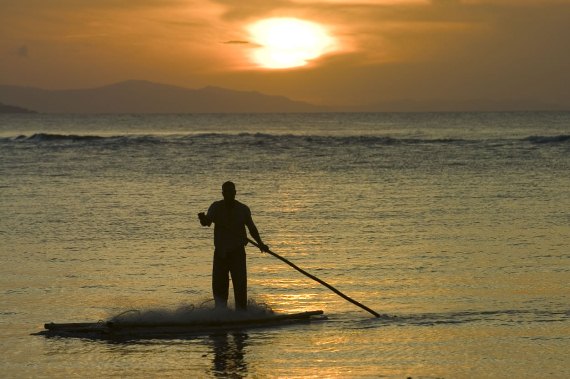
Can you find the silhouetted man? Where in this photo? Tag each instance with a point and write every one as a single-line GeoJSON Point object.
{"type": "Point", "coordinates": [230, 217]}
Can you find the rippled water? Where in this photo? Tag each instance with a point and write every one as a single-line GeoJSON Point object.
{"type": "Point", "coordinates": [453, 226]}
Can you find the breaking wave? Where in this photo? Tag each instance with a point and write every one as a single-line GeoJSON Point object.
{"type": "Point", "coordinates": [268, 139]}
{"type": "Point", "coordinates": [548, 139]}
{"type": "Point", "coordinates": [48, 137]}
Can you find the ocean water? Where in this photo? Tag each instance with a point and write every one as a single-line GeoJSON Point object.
{"type": "Point", "coordinates": [455, 227]}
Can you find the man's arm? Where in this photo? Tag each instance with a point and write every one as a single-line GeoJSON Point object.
{"type": "Point", "coordinates": [255, 234]}
{"type": "Point", "coordinates": [208, 218]}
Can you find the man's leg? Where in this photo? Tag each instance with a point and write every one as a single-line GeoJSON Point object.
{"type": "Point", "coordinates": [220, 281]}
{"type": "Point", "coordinates": [238, 270]}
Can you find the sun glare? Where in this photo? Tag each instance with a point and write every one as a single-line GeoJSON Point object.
{"type": "Point", "coordinates": [288, 42]}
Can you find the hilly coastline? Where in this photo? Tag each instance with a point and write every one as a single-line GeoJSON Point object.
{"type": "Point", "coordinates": [138, 96]}
{"type": "Point", "coordinates": [4, 108]}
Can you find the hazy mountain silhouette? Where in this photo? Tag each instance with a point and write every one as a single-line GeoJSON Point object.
{"type": "Point", "coordinates": [13, 109]}
{"type": "Point", "coordinates": [138, 96]}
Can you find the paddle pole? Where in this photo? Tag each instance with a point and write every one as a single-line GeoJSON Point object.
{"type": "Point", "coordinates": [318, 280]}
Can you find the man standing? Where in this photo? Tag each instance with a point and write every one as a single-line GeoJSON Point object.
{"type": "Point", "coordinates": [230, 217]}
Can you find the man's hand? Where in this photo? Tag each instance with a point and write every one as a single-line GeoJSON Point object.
{"type": "Point", "coordinates": [263, 248]}
{"type": "Point", "coordinates": [204, 220]}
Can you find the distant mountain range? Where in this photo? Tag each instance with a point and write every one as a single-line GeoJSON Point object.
{"type": "Point", "coordinates": [138, 96]}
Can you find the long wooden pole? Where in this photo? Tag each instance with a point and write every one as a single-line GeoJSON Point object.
{"type": "Point", "coordinates": [318, 280]}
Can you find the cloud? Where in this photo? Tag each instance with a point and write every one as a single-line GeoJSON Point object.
{"type": "Point", "coordinates": [363, 2]}
{"type": "Point", "coordinates": [515, 3]}
{"type": "Point", "coordinates": [22, 51]}
{"type": "Point", "coordinates": [67, 5]}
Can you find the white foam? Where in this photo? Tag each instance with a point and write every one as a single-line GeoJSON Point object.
{"type": "Point", "coordinates": [190, 313]}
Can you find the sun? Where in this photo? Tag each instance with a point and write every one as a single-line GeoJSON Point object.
{"type": "Point", "coordinates": [288, 42]}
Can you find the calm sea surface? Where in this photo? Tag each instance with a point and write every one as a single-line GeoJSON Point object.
{"type": "Point", "coordinates": [455, 226]}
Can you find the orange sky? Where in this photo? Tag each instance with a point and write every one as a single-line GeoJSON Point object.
{"type": "Point", "coordinates": [387, 50]}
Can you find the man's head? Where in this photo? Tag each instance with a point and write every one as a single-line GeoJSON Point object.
{"type": "Point", "coordinates": [229, 191]}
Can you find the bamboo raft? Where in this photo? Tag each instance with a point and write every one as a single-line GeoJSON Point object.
{"type": "Point", "coordinates": [124, 329]}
